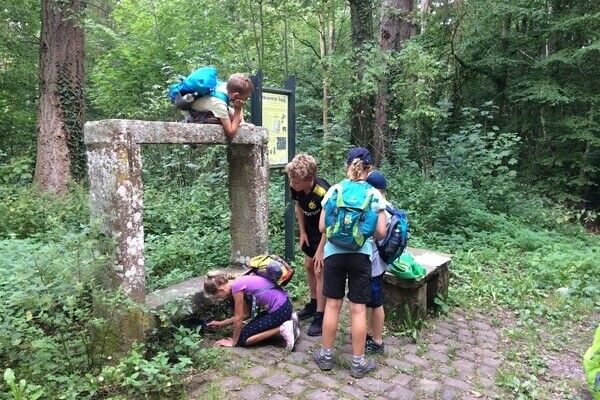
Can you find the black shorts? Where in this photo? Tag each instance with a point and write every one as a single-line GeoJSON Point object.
{"type": "Point", "coordinates": [313, 244]}
{"type": "Point", "coordinates": [376, 292]}
{"type": "Point", "coordinates": [354, 267]}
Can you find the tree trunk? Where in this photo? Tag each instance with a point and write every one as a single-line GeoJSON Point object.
{"type": "Point", "coordinates": [362, 105]}
{"type": "Point", "coordinates": [326, 38]}
{"type": "Point", "coordinates": [61, 113]}
{"type": "Point", "coordinates": [396, 26]}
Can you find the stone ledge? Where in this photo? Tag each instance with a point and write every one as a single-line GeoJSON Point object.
{"type": "Point", "coordinates": [191, 290]}
{"type": "Point", "coordinates": [156, 132]}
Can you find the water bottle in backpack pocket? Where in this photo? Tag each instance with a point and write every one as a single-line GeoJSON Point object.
{"type": "Point", "coordinates": [349, 219]}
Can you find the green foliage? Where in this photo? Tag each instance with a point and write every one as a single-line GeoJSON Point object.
{"type": "Point", "coordinates": [46, 324]}
{"type": "Point", "coordinates": [140, 378]}
{"type": "Point", "coordinates": [482, 155]}
{"type": "Point", "coordinates": [27, 213]}
{"type": "Point", "coordinates": [18, 76]}
{"type": "Point", "coordinates": [17, 171]}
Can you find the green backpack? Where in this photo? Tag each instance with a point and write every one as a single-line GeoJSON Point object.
{"type": "Point", "coordinates": [405, 267]}
{"type": "Point", "coordinates": [591, 366]}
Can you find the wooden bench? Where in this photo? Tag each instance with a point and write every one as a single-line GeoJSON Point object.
{"type": "Point", "coordinates": [415, 297]}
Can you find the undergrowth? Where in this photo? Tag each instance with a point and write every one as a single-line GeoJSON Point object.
{"type": "Point", "coordinates": [528, 260]}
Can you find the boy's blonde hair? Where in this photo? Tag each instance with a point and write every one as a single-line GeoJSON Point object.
{"type": "Point", "coordinates": [303, 167]}
{"type": "Point", "coordinates": [240, 83]}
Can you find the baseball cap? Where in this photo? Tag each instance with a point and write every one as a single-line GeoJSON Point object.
{"type": "Point", "coordinates": [377, 180]}
{"type": "Point", "coordinates": [361, 153]}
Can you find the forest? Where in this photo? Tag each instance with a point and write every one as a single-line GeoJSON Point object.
{"type": "Point", "coordinates": [483, 115]}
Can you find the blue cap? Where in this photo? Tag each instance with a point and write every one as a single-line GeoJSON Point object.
{"type": "Point", "coordinates": [377, 180]}
{"type": "Point", "coordinates": [361, 153]}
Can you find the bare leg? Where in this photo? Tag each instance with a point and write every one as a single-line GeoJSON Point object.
{"type": "Point", "coordinates": [262, 336]}
{"type": "Point", "coordinates": [330, 322]}
{"type": "Point", "coordinates": [310, 274]}
{"type": "Point", "coordinates": [376, 324]}
{"type": "Point", "coordinates": [319, 290]}
{"type": "Point", "coordinates": [358, 323]}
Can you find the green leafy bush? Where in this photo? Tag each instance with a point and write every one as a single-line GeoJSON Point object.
{"type": "Point", "coordinates": [26, 213]}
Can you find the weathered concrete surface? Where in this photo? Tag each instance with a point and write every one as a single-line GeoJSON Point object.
{"type": "Point", "coordinates": [418, 295]}
{"type": "Point", "coordinates": [191, 291]}
{"type": "Point", "coordinates": [116, 189]}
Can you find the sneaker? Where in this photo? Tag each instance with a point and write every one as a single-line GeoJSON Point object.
{"type": "Point", "coordinates": [359, 371]}
{"type": "Point", "coordinates": [372, 347]}
{"type": "Point", "coordinates": [296, 325]}
{"type": "Point", "coordinates": [324, 362]}
{"type": "Point", "coordinates": [287, 331]}
{"type": "Point", "coordinates": [316, 327]}
{"type": "Point", "coordinates": [308, 311]}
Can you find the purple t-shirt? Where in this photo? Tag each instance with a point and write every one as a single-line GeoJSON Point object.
{"type": "Point", "coordinates": [270, 300]}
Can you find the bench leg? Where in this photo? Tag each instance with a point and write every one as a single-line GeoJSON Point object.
{"type": "Point", "coordinates": [397, 300]}
{"type": "Point", "coordinates": [438, 284]}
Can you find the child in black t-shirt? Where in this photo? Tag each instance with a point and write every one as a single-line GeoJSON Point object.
{"type": "Point", "coordinates": [307, 191]}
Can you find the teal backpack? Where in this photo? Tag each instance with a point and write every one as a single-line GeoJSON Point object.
{"type": "Point", "coordinates": [349, 220]}
{"type": "Point", "coordinates": [201, 82]}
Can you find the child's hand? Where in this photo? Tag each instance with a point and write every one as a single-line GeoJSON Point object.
{"type": "Point", "coordinates": [248, 125]}
{"type": "Point", "coordinates": [238, 104]}
{"type": "Point", "coordinates": [214, 324]}
{"type": "Point", "coordinates": [227, 342]}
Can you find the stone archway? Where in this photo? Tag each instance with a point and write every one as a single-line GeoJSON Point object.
{"type": "Point", "coordinates": [116, 189]}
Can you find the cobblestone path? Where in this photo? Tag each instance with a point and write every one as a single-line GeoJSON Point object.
{"type": "Point", "coordinates": [455, 358]}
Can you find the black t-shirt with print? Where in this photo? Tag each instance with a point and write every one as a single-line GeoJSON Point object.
{"type": "Point", "coordinates": [311, 207]}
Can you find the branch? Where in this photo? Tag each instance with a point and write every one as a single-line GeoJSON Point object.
{"type": "Point", "coordinates": [497, 80]}
{"type": "Point", "coordinates": [307, 44]}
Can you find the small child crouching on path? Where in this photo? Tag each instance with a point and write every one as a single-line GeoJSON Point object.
{"type": "Point", "coordinates": [277, 319]}
{"type": "Point", "coordinates": [375, 312]}
{"type": "Point", "coordinates": [344, 264]}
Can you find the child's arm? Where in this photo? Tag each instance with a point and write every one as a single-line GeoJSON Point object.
{"type": "Point", "coordinates": [300, 217]}
{"type": "Point", "coordinates": [381, 229]}
{"type": "Point", "coordinates": [318, 258]}
{"type": "Point", "coordinates": [238, 318]}
{"type": "Point", "coordinates": [231, 124]}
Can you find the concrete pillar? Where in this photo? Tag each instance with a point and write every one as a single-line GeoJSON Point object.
{"type": "Point", "coordinates": [249, 205]}
{"type": "Point", "coordinates": [116, 193]}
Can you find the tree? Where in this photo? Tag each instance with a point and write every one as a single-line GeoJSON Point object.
{"type": "Point", "coordinates": [61, 113]}
{"type": "Point", "coordinates": [362, 102]}
{"type": "Point", "coordinates": [396, 27]}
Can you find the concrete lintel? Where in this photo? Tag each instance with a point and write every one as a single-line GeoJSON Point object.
{"type": "Point", "coordinates": [160, 132]}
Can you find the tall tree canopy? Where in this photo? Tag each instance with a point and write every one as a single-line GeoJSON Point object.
{"type": "Point", "coordinates": [517, 78]}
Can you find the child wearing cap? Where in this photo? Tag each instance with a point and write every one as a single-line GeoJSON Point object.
{"type": "Point", "coordinates": [354, 266]}
{"type": "Point", "coordinates": [375, 313]}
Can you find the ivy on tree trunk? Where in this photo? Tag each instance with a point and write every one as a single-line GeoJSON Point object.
{"type": "Point", "coordinates": [61, 113]}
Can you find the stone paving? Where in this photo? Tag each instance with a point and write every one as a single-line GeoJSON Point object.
{"type": "Point", "coordinates": [454, 358]}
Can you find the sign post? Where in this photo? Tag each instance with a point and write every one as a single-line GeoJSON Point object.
{"type": "Point", "coordinates": [275, 109]}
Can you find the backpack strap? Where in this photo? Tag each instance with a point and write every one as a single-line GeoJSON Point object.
{"type": "Point", "coordinates": [219, 95]}
{"type": "Point", "coordinates": [252, 299]}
